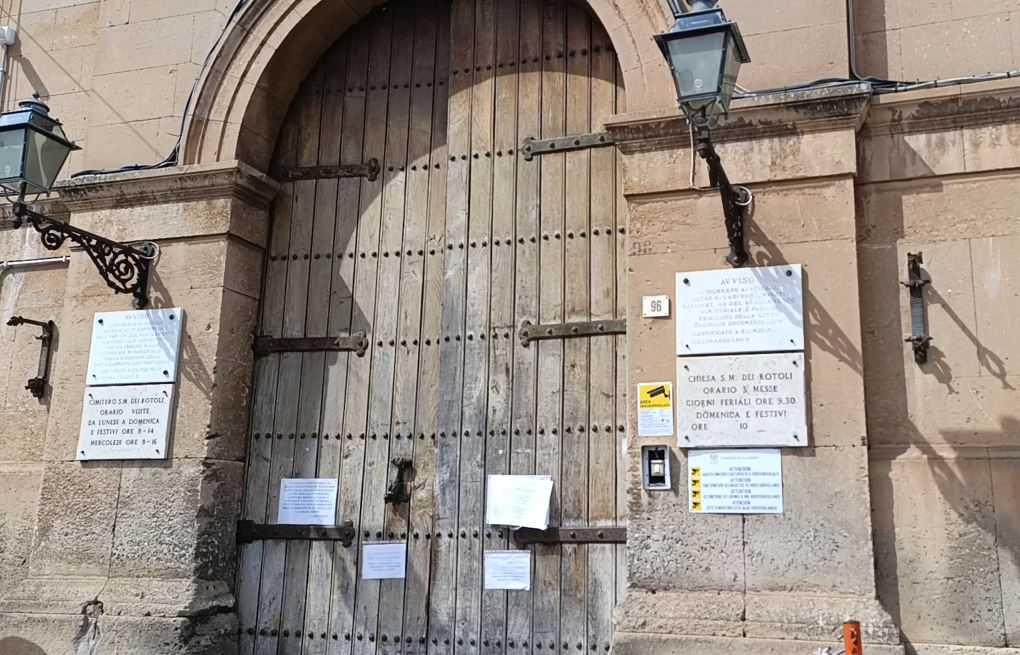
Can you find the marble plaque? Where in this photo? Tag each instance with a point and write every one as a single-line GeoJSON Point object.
{"type": "Point", "coordinates": [125, 422]}
{"type": "Point", "coordinates": [136, 347]}
{"type": "Point", "coordinates": [741, 400]}
{"type": "Point", "coordinates": [735, 482]}
{"type": "Point", "coordinates": [739, 311]}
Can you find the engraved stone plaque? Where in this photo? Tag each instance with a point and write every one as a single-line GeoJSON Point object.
{"type": "Point", "coordinates": [125, 422]}
{"type": "Point", "coordinates": [742, 400]}
{"type": "Point", "coordinates": [135, 347]}
{"type": "Point", "coordinates": [740, 311]}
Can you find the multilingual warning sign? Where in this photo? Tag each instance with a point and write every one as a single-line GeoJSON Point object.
{"type": "Point", "coordinates": [735, 481]}
{"type": "Point", "coordinates": [655, 409]}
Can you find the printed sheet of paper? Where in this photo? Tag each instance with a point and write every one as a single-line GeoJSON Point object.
{"type": "Point", "coordinates": [384, 560]}
{"type": "Point", "coordinates": [655, 409]}
{"type": "Point", "coordinates": [508, 569]}
{"type": "Point", "coordinates": [307, 501]}
{"type": "Point", "coordinates": [747, 481]}
{"type": "Point", "coordinates": [520, 501]}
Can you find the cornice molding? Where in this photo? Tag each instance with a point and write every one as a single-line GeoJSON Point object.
{"type": "Point", "coordinates": [788, 114]}
{"type": "Point", "coordinates": [233, 179]}
{"type": "Point", "coordinates": [947, 108]}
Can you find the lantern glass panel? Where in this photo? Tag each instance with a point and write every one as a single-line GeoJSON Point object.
{"type": "Point", "coordinates": [12, 150]}
{"type": "Point", "coordinates": [46, 156]}
{"type": "Point", "coordinates": [730, 70]}
{"type": "Point", "coordinates": [696, 62]}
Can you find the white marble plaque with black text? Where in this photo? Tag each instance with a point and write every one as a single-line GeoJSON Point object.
{"type": "Point", "coordinates": [740, 310]}
{"type": "Point", "coordinates": [741, 400]}
{"type": "Point", "coordinates": [136, 347]}
{"type": "Point", "coordinates": [125, 422]}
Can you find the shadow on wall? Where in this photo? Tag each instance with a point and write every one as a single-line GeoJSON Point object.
{"type": "Point", "coordinates": [945, 576]}
{"type": "Point", "coordinates": [19, 646]}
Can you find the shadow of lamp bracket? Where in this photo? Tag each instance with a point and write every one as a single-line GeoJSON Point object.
{"type": "Point", "coordinates": [916, 282]}
{"type": "Point", "coordinates": [37, 385]}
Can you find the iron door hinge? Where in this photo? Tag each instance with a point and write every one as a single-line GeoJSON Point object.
{"type": "Point", "coordinates": [356, 343]}
{"type": "Point", "coordinates": [369, 170]}
{"type": "Point", "coordinates": [567, 535]}
{"type": "Point", "coordinates": [531, 332]}
{"type": "Point", "coordinates": [249, 531]}
{"type": "Point", "coordinates": [533, 147]}
{"type": "Point", "coordinates": [37, 385]}
{"type": "Point", "coordinates": [919, 339]}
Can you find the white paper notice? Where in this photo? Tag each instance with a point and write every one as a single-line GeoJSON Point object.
{"type": "Point", "coordinates": [384, 560]}
{"type": "Point", "coordinates": [308, 501]}
{"type": "Point", "coordinates": [655, 409]}
{"type": "Point", "coordinates": [520, 501]}
{"type": "Point", "coordinates": [508, 569]}
{"type": "Point", "coordinates": [735, 481]}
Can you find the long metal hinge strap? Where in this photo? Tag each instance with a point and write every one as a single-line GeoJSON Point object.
{"type": "Point", "coordinates": [369, 170]}
{"type": "Point", "coordinates": [249, 531]}
{"type": "Point", "coordinates": [356, 343]}
{"type": "Point", "coordinates": [531, 332]}
{"type": "Point", "coordinates": [568, 535]}
{"type": "Point", "coordinates": [533, 147]}
{"type": "Point", "coordinates": [919, 338]}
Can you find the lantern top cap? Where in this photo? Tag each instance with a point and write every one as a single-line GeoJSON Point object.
{"type": "Point", "coordinates": [707, 20]}
{"type": "Point", "coordinates": [35, 114]}
{"type": "Point", "coordinates": [36, 105]}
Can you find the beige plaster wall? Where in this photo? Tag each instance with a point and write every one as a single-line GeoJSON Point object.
{"type": "Point", "coordinates": [940, 176]}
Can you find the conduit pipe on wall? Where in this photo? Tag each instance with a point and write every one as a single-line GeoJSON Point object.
{"type": "Point", "coordinates": [8, 35]}
{"type": "Point", "coordinates": [15, 264]}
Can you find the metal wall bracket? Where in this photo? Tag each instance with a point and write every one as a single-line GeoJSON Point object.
{"type": "Point", "coordinates": [530, 332]}
{"type": "Point", "coordinates": [614, 535]}
{"type": "Point", "coordinates": [919, 338]}
{"type": "Point", "coordinates": [396, 494]}
{"type": "Point", "coordinates": [37, 385]}
{"type": "Point", "coordinates": [124, 268]}
{"type": "Point", "coordinates": [369, 170]}
{"type": "Point", "coordinates": [735, 199]}
{"type": "Point", "coordinates": [356, 343]}
{"type": "Point", "coordinates": [533, 147]}
{"type": "Point", "coordinates": [249, 531]}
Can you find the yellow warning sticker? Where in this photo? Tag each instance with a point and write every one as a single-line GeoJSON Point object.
{"type": "Point", "coordinates": [655, 409]}
{"type": "Point", "coordinates": [695, 505]}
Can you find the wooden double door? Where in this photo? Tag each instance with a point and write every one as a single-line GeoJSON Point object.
{"type": "Point", "coordinates": [439, 260]}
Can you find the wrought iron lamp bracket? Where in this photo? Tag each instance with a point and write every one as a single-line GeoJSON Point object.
{"type": "Point", "coordinates": [919, 339]}
{"type": "Point", "coordinates": [124, 268]}
{"type": "Point", "coordinates": [735, 199]}
{"type": "Point", "coordinates": [37, 385]}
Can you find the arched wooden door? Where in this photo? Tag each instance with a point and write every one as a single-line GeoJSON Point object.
{"type": "Point", "coordinates": [439, 261]}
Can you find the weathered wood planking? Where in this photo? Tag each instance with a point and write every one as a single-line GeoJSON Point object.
{"type": "Point", "coordinates": [602, 390]}
{"type": "Point", "coordinates": [376, 219]}
{"type": "Point", "coordinates": [264, 403]}
{"type": "Point", "coordinates": [444, 578]}
{"type": "Point", "coordinates": [546, 586]}
{"type": "Point", "coordinates": [422, 509]}
{"type": "Point", "coordinates": [339, 393]}
{"type": "Point", "coordinates": [577, 278]}
{"type": "Point", "coordinates": [622, 387]}
{"type": "Point", "coordinates": [520, 606]}
{"type": "Point", "coordinates": [273, 591]}
{"type": "Point", "coordinates": [501, 306]}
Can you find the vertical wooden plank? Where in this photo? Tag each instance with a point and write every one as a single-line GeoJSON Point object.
{"type": "Point", "coordinates": [382, 208]}
{"type": "Point", "coordinates": [501, 305]}
{"type": "Point", "coordinates": [417, 592]}
{"type": "Point", "coordinates": [402, 234]}
{"type": "Point", "coordinates": [273, 593]}
{"type": "Point", "coordinates": [341, 398]}
{"type": "Point", "coordinates": [264, 405]}
{"type": "Point", "coordinates": [602, 434]}
{"type": "Point", "coordinates": [621, 345]}
{"type": "Point", "coordinates": [470, 522]}
{"type": "Point", "coordinates": [520, 606]}
{"type": "Point", "coordinates": [574, 456]}
{"type": "Point", "coordinates": [451, 366]}
{"type": "Point", "coordinates": [551, 310]}
{"type": "Point", "coordinates": [325, 318]}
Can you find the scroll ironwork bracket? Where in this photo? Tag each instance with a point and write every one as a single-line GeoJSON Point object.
{"type": "Point", "coordinates": [124, 268]}
{"type": "Point", "coordinates": [396, 494]}
{"type": "Point", "coordinates": [919, 338]}
{"type": "Point", "coordinates": [37, 385]}
{"type": "Point", "coordinates": [735, 199]}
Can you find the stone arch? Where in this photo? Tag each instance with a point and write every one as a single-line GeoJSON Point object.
{"type": "Point", "coordinates": [271, 45]}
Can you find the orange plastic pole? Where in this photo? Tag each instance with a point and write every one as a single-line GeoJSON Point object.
{"type": "Point", "coordinates": [852, 638]}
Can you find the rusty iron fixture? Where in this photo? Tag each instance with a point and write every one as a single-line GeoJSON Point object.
{"type": "Point", "coordinates": [37, 385]}
{"type": "Point", "coordinates": [919, 338]}
{"type": "Point", "coordinates": [396, 494]}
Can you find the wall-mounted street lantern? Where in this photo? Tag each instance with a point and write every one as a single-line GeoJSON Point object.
{"type": "Point", "coordinates": [33, 149]}
{"type": "Point", "coordinates": [704, 52]}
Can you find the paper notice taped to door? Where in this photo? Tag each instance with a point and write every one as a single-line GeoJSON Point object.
{"type": "Point", "coordinates": [508, 569]}
{"type": "Point", "coordinates": [520, 501]}
{"type": "Point", "coordinates": [307, 501]}
{"type": "Point", "coordinates": [384, 560]}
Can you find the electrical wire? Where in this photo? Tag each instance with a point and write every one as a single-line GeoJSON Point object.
{"type": "Point", "coordinates": [172, 158]}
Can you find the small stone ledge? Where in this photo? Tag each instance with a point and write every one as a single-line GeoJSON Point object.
{"type": "Point", "coordinates": [931, 110]}
{"type": "Point", "coordinates": [232, 179]}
